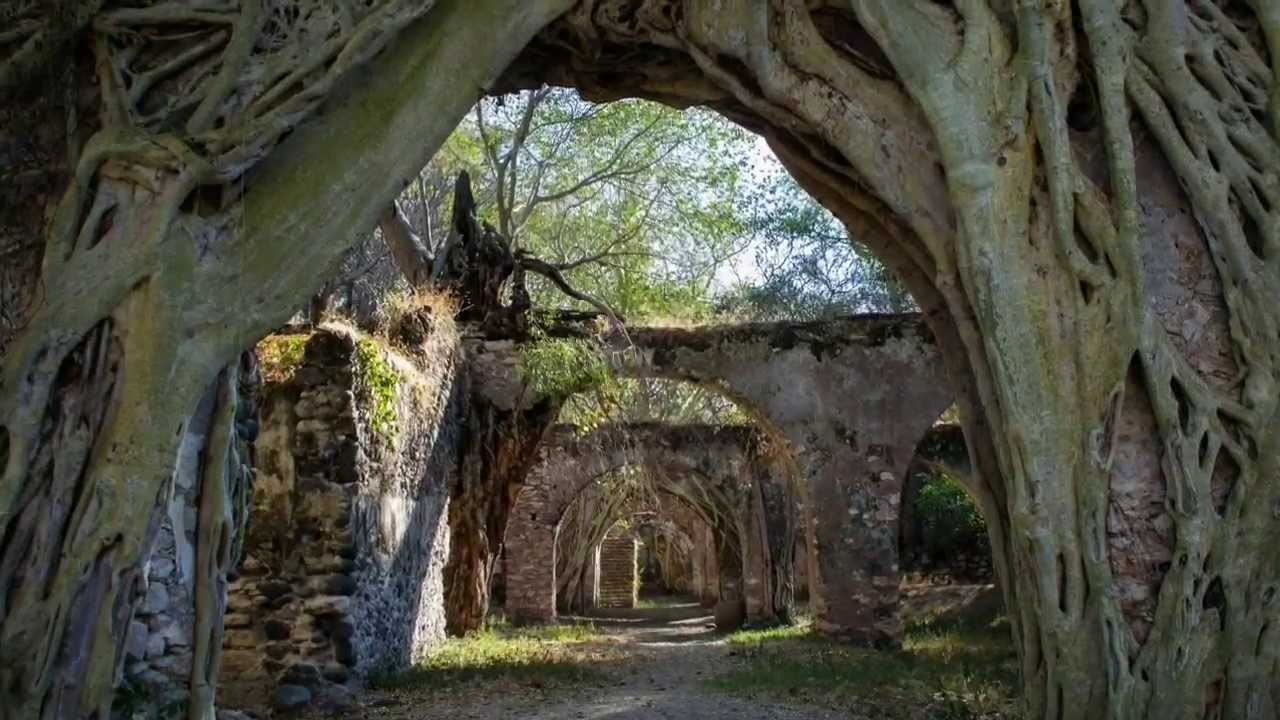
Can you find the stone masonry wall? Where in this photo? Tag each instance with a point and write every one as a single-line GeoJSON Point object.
{"type": "Point", "coordinates": [347, 540]}
{"type": "Point", "coordinates": [158, 646]}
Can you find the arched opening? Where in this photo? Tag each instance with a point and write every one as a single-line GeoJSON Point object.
{"type": "Point", "coordinates": [947, 571]}
{"type": "Point", "coordinates": [584, 485]}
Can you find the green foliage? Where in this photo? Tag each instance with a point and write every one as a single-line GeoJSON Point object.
{"type": "Point", "coordinates": [949, 517]}
{"type": "Point", "coordinates": [542, 654]}
{"type": "Point", "coordinates": [560, 367]}
{"type": "Point", "coordinates": [380, 383]}
{"type": "Point", "coordinates": [652, 400]}
{"type": "Point", "coordinates": [649, 193]}
{"type": "Point", "coordinates": [757, 638]}
{"type": "Point", "coordinates": [806, 265]}
{"type": "Point", "coordinates": [279, 356]}
{"type": "Point", "coordinates": [939, 675]}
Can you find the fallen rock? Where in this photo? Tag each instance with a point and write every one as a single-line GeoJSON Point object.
{"type": "Point", "coordinates": [291, 697]}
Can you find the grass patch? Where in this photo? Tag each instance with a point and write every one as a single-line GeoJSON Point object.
{"type": "Point", "coordinates": [537, 656]}
{"type": "Point", "coordinates": [760, 637]}
{"type": "Point", "coordinates": [660, 602]}
{"type": "Point", "coordinates": [279, 356]}
{"type": "Point", "coordinates": [940, 674]}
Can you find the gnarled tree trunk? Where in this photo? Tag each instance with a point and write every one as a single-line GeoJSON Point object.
{"type": "Point", "coordinates": [1082, 198]}
{"type": "Point", "coordinates": [500, 446]}
{"type": "Point", "coordinates": [165, 256]}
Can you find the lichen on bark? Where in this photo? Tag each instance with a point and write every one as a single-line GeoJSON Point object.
{"type": "Point", "coordinates": [184, 232]}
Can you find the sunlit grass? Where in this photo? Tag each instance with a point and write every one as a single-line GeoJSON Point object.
{"type": "Point", "coordinates": [801, 629]}
{"type": "Point", "coordinates": [538, 655]}
{"type": "Point", "coordinates": [940, 674]}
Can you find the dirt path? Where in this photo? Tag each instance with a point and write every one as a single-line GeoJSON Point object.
{"type": "Point", "coordinates": [672, 652]}
{"type": "Point", "coordinates": [662, 659]}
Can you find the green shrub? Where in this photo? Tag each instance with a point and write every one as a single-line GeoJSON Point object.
{"type": "Point", "coordinates": [560, 367]}
{"type": "Point", "coordinates": [949, 518]}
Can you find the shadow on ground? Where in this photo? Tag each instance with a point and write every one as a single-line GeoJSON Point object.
{"type": "Point", "coordinates": [665, 661]}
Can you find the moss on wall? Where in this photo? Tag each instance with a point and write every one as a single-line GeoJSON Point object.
{"type": "Point", "coordinates": [380, 382]}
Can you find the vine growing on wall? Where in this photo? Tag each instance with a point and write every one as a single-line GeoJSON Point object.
{"type": "Point", "coordinates": [381, 384]}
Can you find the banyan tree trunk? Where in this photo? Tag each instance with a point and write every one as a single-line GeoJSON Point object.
{"type": "Point", "coordinates": [499, 447]}
{"type": "Point", "coordinates": [153, 248]}
{"type": "Point", "coordinates": [1084, 199]}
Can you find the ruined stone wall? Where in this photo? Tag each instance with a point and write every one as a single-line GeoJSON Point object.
{"type": "Point", "coordinates": [852, 398]}
{"type": "Point", "coordinates": [342, 573]}
{"type": "Point", "coordinates": [159, 642]}
{"type": "Point", "coordinates": [847, 400]}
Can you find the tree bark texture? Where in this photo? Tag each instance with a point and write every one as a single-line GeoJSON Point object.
{"type": "Point", "coordinates": [1082, 199]}
{"type": "Point", "coordinates": [179, 219]}
{"type": "Point", "coordinates": [1081, 196]}
{"type": "Point", "coordinates": [500, 446]}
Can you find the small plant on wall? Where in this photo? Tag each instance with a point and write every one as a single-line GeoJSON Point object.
{"type": "Point", "coordinates": [279, 356]}
{"type": "Point", "coordinates": [380, 382]}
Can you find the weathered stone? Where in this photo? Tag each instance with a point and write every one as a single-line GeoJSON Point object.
{"type": "Point", "coordinates": [240, 639]}
{"type": "Point", "coordinates": [278, 650]}
{"type": "Point", "coordinates": [155, 646]}
{"type": "Point", "coordinates": [328, 605]}
{"type": "Point", "coordinates": [175, 633]}
{"type": "Point", "coordinates": [135, 645]}
{"type": "Point", "coordinates": [161, 567]}
{"type": "Point", "coordinates": [332, 579]}
{"type": "Point", "coordinates": [334, 584]}
{"type": "Point", "coordinates": [272, 589]}
{"type": "Point", "coordinates": [334, 698]}
{"type": "Point", "coordinates": [174, 664]}
{"type": "Point", "coordinates": [291, 697]}
{"type": "Point", "coordinates": [157, 600]}
{"type": "Point", "coordinates": [252, 566]}
{"type": "Point", "coordinates": [302, 674]}
{"type": "Point", "coordinates": [342, 629]}
{"type": "Point", "coordinates": [237, 620]}
{"type": "Point", "coordinates": [241, 663]}
{"type": "Point", "coordinates": [277, 629]}
{"type": "Point", "coordinates": [345, 653]}
{"type": "Point", "coordinates": [334, 672]}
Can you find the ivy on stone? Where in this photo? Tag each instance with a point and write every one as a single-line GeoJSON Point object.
{"type": "Point", "coordinates": [380, 382]}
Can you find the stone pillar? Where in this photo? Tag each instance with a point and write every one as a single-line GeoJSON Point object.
{"type": "Point", "coordinates": [531, 562]}
{"type": "Point", "coordinates": [730, 609]}
{"type": "Point", "coordinates": [757, 570]}
{"type": "Point", "coordinates": [852, 528]}
{"type": "Point", "coordinates": [709, 593]}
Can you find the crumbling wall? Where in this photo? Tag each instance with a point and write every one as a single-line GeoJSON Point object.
{"type": "Point", "coordinates": [851, 397]}
{"type": "Point", "coordinates": [342, 573]}
{"type": "Point", "coordinates": [159, 644]}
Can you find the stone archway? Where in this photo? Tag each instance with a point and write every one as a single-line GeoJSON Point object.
{"type": "Point", "coordinates": [851, 398]}
{"type": "Point", "coordinates": [713, 469]}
